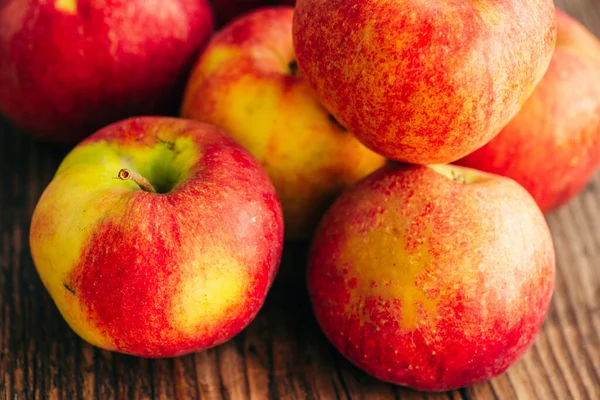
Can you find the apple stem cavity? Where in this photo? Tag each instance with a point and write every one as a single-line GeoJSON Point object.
{"type": "Point", "coordinates": [143, 183]}
{"type": "Point", "coordinates": [293, 66]}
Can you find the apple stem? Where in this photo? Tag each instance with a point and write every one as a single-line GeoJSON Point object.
{"type": "Point", "coordinates": [457, 177]}
{"type": "Point", "coordinates": [143, 183]}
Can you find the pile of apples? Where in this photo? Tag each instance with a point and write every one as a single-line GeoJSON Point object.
{"type": "Point", "coordinates": [416, 143]}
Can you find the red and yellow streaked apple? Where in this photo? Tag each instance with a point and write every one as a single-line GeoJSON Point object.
{"type": "Point", "coordinates": [424, 81]}
{"type": "Point", "coordinates": [432, 277]}
{"type": "Point", "coordinates": [70, 67]}
{"type": "Point", "coordinates": [246, 83]}
{"type": "Point", "coordinates": [552, 147]}
{"type": "Point", "coordinates": [158, 237]}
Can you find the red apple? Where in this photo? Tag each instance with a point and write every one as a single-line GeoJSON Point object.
{"type": "Point", "coordinates": [69, 67]}
{"type": "Point", "coordinates": [432, 277]}
{"type": "Point", "coordinates": [424, 81]}
{"type": "Point", "coordinates": [158, 237]}
{"type": "Point", "coordinates": [228, 10]}
{"type": "Point", "coordinates": [246, 83]}
{"type": "Point", "coordinates": [552, 147]}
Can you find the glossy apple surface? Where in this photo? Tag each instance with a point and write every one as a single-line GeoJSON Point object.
{"type": "Point", "coordinates": [552, 147]}
{"type": "Point", "coordinates": [433, 278]}
{"type": "Point", "coordinates": [158, 274]}
{"type": "Point", "coordinates": [419, 81]}
{"type": "Point", "coordinates": [246, 82]}
{"type": "Point", "coordinates": [70, 67]}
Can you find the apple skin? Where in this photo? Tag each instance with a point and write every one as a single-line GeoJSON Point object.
{"type": "Point", "coordinates": [552, 147]}
{"type": "Point", "coordinates": [158, 275]}
{"type": "Point", "coordinates": [420, 81]}
{"type": "Point", "coordinates": [70, 67]}
{"type": "Point", "coordinates": [428, 282]}
{"type": "Point", "coordinates": [243, 84]}
{"type": "Point", "coordinates": [228, 10]}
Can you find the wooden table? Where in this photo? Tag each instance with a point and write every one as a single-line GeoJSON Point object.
{"type": "Point", "coordinates": [282, 354]}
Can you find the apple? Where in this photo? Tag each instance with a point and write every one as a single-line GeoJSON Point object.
{"type": "Point", "coordinates": [552, 147]}
{"type": "Point", "coordinates": [246, 83]}
{"type": "Point", "coordinates": [424, 82]}
{"type": "Point", "coordinates": [70, 67]}
{"type": "Point", "coordinates": [432, 277]}
{"type": "Point", "coordinates": [228, 10]}
{"type": "Point", "coordinates": [158, 237]}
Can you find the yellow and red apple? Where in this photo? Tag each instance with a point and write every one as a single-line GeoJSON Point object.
{"type": "Point", "coordinates": [70, 67]}
{"type": "Point", "coordinates": [246, 82]}
{"type": "Point", "coordinates": [158, 237]}
{"type": "Point", "coordinates": [552, 146]}
{"type": "Point", "coordinates": [432, 277]}
{"type": "Point", "coordinates": [424, 81]}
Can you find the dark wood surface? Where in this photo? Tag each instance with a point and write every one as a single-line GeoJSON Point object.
{"type": "Point", "coordinates": [282, 354]}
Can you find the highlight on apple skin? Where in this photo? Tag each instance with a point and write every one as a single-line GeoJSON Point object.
{"type": "Point", "coordinates": [424, 82]}
{"type": "Point", "coordinates": [158, 237]}
{"type": "Point", "coordinates": [552, 146]}
{"type": "Point", "coordinates": [246, 82]}
{"type": "Point", "coordinates": [432, 277]}
{"type": "Point", "coordinates": [70, 67]}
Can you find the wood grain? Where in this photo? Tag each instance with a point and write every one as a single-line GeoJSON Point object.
{"type": "Point", "coordinates": [282, 354]}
